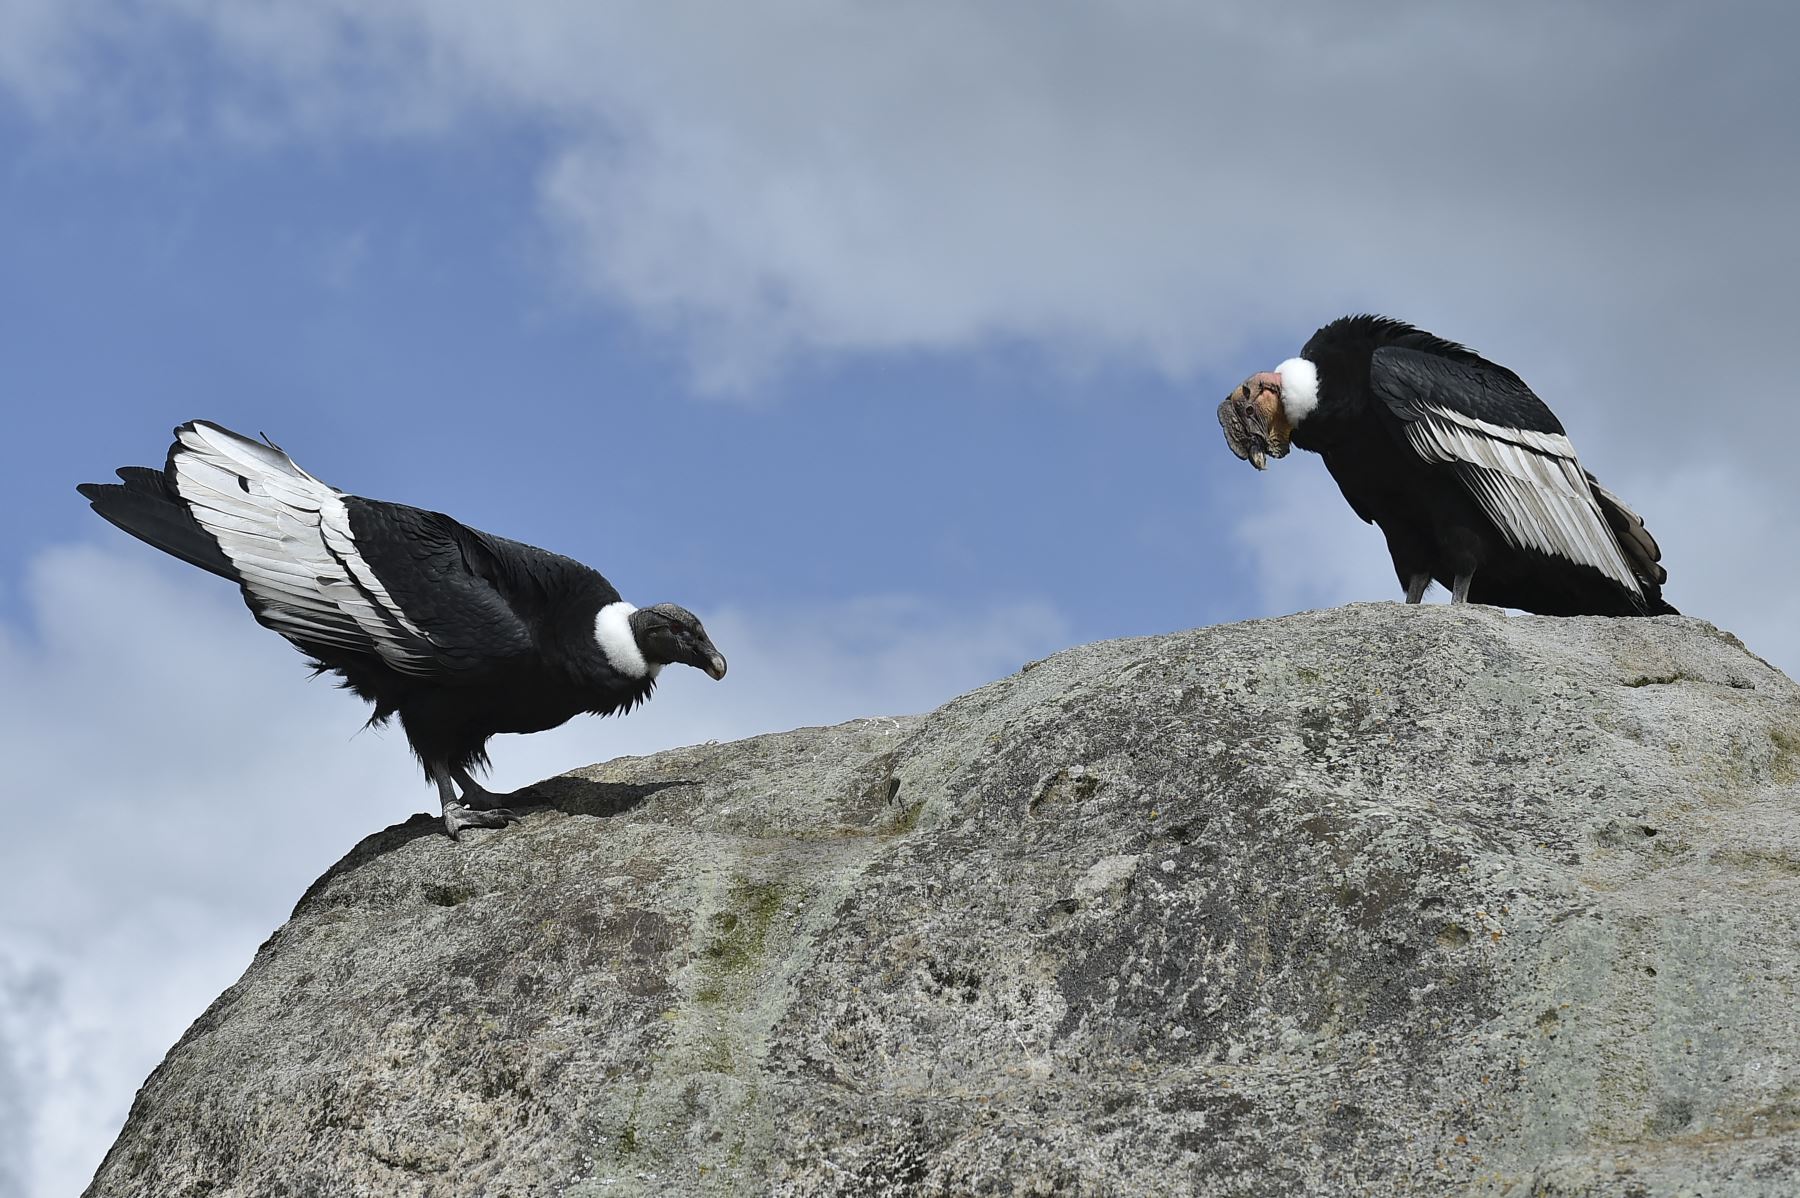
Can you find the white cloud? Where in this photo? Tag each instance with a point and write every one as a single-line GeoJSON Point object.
{"type": "Point", "coordinates": [1593, 189]}
{"type": "Point", "coordinates": [180, 783]}
{"type": "Point", "coordinates": [1304, 547]}
{"type": "Point", "coordinates": [1738, 566]}
{"type": "Point", "coordinates": [28, 1002]}
{"type": "Point", "coordinates": [41, 44]}
{"type": "Point", "coordinates": [86, 1013]}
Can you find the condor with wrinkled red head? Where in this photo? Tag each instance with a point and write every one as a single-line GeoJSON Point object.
{"type": "Point", "coordinates": [1467, 473]}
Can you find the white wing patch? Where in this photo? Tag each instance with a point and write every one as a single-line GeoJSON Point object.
{"type": "Point", "coordinates": [288, 535]}
{"type": "Point", "coordinates": [1529, 484]}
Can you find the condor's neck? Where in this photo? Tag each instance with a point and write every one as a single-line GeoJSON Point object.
{"type": "Point", "coordinates": [618, 700]}
{"type": "Point", "coordinates": [1340, 411]}
{"type": "Point", "coordinates": [596, 650]}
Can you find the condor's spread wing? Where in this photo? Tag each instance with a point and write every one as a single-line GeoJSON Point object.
{"type": "Point", "coordinates": [1511, 453]}
{"type": "Point", "coordinates": [291, 540]}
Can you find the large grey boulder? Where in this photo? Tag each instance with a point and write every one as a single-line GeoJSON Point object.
{"type": "Point", "coordinates": [1379, 900]}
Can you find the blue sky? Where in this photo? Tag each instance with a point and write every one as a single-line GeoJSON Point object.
{"type": "Point", "coordinates": [391, 314]}
{"type": "Point", "coordinates": [885, 337]}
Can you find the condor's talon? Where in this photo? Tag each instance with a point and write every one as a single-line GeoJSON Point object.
{"type": "Point", "coordinates": [485, 801]}
{"type": "Point", "coordinates": [457, 817]}
{"type": "Point", "coordinates": [475, 808]}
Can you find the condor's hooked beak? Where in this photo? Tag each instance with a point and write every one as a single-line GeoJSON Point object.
{"type": "Point", "coordinates": [1255, 422]}
{"type": "Point", "coordinates": [699, 652]}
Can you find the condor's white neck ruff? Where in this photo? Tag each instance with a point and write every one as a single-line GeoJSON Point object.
{"type": "Point", "coordinates": [612, 628]}
{"type": "Point", "coordinates": [1299, 388]}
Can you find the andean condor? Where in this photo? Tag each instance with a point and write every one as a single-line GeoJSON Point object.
{"type": "Point", "coordinates": [1467, 473]}
{"type": "Point", "coordinates": [460, 633]}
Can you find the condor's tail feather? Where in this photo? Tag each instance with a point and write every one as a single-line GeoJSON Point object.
{"type": "Point", "coordinates": [147, 507]}
{"type": "Point", "coordinates": [1640, 547]}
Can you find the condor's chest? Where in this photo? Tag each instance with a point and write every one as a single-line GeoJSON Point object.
{"type": "Point", "coordinates": [1377, 474]}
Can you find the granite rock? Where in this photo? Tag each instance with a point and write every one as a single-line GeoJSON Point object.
{"type": "Point", "coordinates": [1376, 900]}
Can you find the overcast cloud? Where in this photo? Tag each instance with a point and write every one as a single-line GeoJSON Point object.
{"type": "Point", "coordinates": [1599, 195]}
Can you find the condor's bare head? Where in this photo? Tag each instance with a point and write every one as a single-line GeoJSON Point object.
{"type": "Point", "coordinates": [669, 634]}
{"type": "Point", "coordinates": [1258, 418]}
{"type": "Point", "coordinates": [1256, 427]}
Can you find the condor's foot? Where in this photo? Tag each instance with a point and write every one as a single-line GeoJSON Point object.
{"type": "Point", "coordinates": [457, 817]}
{"type": "Point", "coordinates": [479, 798]}
{"type": "Point", "coordinates": [476, 808]}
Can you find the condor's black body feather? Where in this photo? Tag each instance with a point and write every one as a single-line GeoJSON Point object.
{"type": "Point", "coordinates": [513, 627]}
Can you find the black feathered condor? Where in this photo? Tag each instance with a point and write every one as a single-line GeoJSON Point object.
{"type": "Point", "coordinates": [1468, 474]}
{"type": "Point", "coordinates": [460, 633]}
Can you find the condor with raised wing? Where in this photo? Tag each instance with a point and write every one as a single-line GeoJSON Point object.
{"type": "Point", "coordinates": [459, 633]}
{"type": "Point", "coordinates": [1467, 473]}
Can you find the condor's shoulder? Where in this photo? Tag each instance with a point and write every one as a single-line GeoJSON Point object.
{"type": "Point", "coordinates": [1416, 383]}
{"type": "Point", "coordinates": [439, 565]}
{"type": "Point", "coordinates": [421, 564]}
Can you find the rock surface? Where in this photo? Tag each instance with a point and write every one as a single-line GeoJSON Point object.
{"type": "Point", "coordinates": [1378, 900]}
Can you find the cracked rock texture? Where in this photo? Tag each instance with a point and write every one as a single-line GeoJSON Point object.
{"type": "Point", "coordinates": [1378, 900]}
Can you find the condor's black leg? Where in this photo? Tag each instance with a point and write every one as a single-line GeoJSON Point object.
{"type": "Point", "coordinates": [460, 814]}
{"type": "Point", "coordinates": [1460, 592]}
{"type": "Point", "coordinates": [474, 794]}
{"type": "Point", "coordinates": [479, 798]}
{"type": "Point", "coordinates": [1415, 588]}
